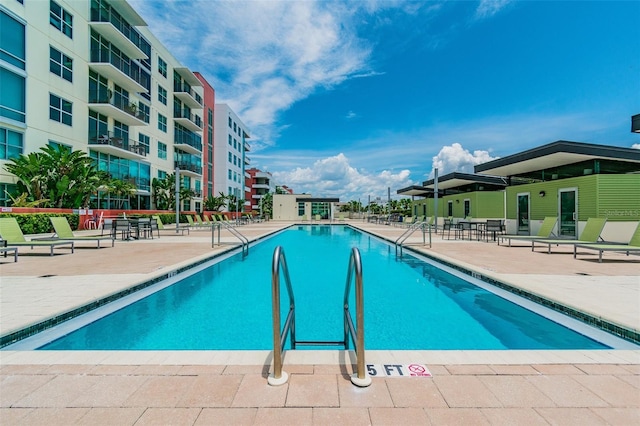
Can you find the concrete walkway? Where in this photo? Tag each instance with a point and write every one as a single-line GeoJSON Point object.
{"type": "Point", "coordinates": [225, 387]}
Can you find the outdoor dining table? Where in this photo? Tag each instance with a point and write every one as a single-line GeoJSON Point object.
{"type": "Point", "coordinates": [140, 227]}
{"type": "Point", "coordinates": [471, 226]}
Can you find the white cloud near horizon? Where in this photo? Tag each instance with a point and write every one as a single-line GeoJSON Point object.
{"type": "Point", "coordinates": [488, 8]}
{"type": "Point", "coordinates": [454, 158]}
{"type": "Point", "coordinates": [336, 177]}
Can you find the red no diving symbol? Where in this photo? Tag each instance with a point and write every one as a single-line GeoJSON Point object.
{"type": "Point", "coordinates": [417, 369]}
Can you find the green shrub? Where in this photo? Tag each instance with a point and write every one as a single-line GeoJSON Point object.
{"type": "Point", "coordinates": [39, 223]}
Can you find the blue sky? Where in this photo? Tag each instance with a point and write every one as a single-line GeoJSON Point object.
{"type": "Point", "coordinates": [346, 99]}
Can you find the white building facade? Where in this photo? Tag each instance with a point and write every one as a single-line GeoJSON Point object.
{"type": "Point", "coordinates": [89, 75]}
{"type": "Point", "coordinates": [230, 154]}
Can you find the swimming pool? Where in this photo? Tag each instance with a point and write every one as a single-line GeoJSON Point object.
{"type": "Point", "coordinates": [410, 304]}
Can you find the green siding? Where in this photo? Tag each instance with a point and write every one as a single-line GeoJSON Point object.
{"type": "Point", "coordinates": [616, 197]}
{"type": "Point", "coordinates": [483, 204]}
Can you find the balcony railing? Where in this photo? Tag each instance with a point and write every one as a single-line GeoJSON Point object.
{"type": "Point", "coordinates": [106, 56]}
{"type": "Point", "coordinates": [184, 88]}
{"type": "Point", "coordinates": [110, 139]}
{"type": "Point", "coordinates": [195, 168]}
{"type": "Point", "coordinates": [105, 96]}
{"type": "Point", "coordinates": [186, 137]}
{"type": "Point", "coordinates": [185, 113]}
{"type": "Point", "coordinates": [107, 15]}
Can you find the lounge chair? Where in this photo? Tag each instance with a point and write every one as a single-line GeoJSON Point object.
{"type": "Point", "coordinates": [6, 250]}
{"type": "Point", "coordinates": [11, 232]}
{"type": "Point", "coordinates": [200, 223]}
{"type": "Point", "coordinates": [159, 226]}
{"type": "Point", "coordinates": [632, 246]}
{"type": "Point", "coordinates": [64, 232]}
{"type": "Point", "coordinates": [545, 231]}
{"type": "Point", "coordinates": [589, 235]}
{"type": "Point", "coordinates": [191, 223]}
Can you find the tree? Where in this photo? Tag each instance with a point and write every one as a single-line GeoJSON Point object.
{"type": "Point", "coordinates": [66, 178]}
{"type": "Point", "coordinates": [214, 204]}
{"type": "Point", "coordinates": [266, 204]}
{"type": "Point", "coordinates": [163, 192]}
{"type": "Point", "coordinates": [121, 189]}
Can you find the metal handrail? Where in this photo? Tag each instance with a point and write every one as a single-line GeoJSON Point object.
{"type": "Point", "coordinates": [279, 377]}
{"type": "Point", "coordinates": [243, 240]}
{"type": "Point", "coordinates": [406, 234]}
{"type": "Point", "coordinates": [357, 335]}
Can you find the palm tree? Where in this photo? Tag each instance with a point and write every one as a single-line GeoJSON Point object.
{"type": "Point", "coordinates": [123, 190]}
{"type": "Point", "coordinates": [66, 178]}
{"type": "Point", "coordinates": [164, 192]}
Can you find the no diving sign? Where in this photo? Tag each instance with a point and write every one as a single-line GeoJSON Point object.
{"type": "Point", "coordinates": [398, 370]}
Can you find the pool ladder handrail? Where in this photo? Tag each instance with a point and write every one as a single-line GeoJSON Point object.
{"type": "Point", "coordinates": [406, 234]}
{"type": "Point", "coordinates": [243, 240]}
{"type": "Point", "coordinates": [279, 377]}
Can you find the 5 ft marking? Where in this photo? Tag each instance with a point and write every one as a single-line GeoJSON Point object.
{"type": "Point", "coordinates": [398, 370]}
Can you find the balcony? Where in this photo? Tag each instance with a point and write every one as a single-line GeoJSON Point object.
{"type": "Point", "coordinates": [188, 169]}
{"type": "Point", "coordinates": [187, 140]}
{"type": "Point", "coordinates": [247, 160]}
{"type": "Point", "coordinates": [190, 121]}
{"type": "Point", "coordinates": [118, 146]}
{"type": "Point", "coordinates": [187, 95]}
{"type": "Point", "coordinates": [111, 66]}
{"type": "Point", "coordinates": [260, 186]}
{"type": "Point", "coordinates": [186, 75]}
{"type": "Point", "coordinates": [118, 107]}
{"type": "Point", "coordinates": [109, 31]}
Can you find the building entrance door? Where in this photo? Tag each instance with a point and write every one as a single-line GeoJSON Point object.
{"type": "Point", "coordinates": [568, 208]}
{"type": "Point", "coordinates": [522, 214]}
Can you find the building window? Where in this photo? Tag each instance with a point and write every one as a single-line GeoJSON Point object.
{"type": "Point", "coordinates": [144, 112]}
{"type": "Point", "coordinates": [230, 157]}
{"type": "Point", "coordinates": [61, 19]}
{"type": "Point", "coordinates": [162, 67]}
{"type": "Point", "coordinates": [234, 127]}
{"type": "Point", "coordinates": [162, 122]}
{"type": "Point", "coordinates": [300, 209]}
{"type": "Point", "coordinates": [60, 64]}
{"type": "Point", "coordinates": [162, 174]}
{"type": "Point", "coordinates": [59, 145]}
{"type": "Point", "coordinates": [162, 94]}
{"type": "Point", "coordinates": [449, 208]}
{"type": "Point", "coordinates": [12, 46]}
{"type": "Point", "coordinates": [229, 172]}
{"type": "Point", "coordinates": [60, 109]}
{"type": "Point", "coordinates": [143, 140]}
{"type": "Point", "coordinates": [10, 144]}
{"type": "Point", "coordinates": [230, 140]}
{"type": "Point", "coordinates": [162, 151]}
{"type": "Point", "coordinates": [230, 121]}
{"type": "Point", "coordinates": [12, 96]}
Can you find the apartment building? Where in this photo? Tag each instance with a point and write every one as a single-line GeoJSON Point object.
{"type": "Point", "coordinates": [260, 183]}
{"type": "Point", "coordinates": [89, 75]}
{"type": "Point", "coordinates": [230, 159]}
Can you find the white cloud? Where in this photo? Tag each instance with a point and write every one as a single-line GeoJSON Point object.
{"type": "Point", "coordinates": [488, 8]}
{"type": "Point", "coordinates": [455, 158]}
{"type": "Point", "coordinates": [351, 115]}
{"type": "Point", "coordinates": [635, 146]}
{"type": "Point", "coordinates": [335, 177]}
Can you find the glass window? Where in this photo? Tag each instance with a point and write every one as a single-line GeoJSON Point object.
{"type": "Point", "coordinates": [162, 150]}
{"type": "Point", "coordinates": [10, 144]}
{"type": "Point", "coordinates": [229, 173]}
{"type": "Point", "coordinates": [12, 47]}
{"type": "Point", "coordinates": [162, 122]}
{"type": "Point", "coordinates": [230, 140]}
{"type": "Point", "coordinates": [230, 121]}
{"type": "Point", "coordinates": [230, 157]}
{"type": "Point", "coordinates": [162, 94]}
{"type": "Point", "coordinates": [61, 19]}
{"type": "Point", "coordinates": [60, 64]}
{"type": "Point", "coordinates": [143, 140]}
{"type": "Point", "coordinates": [300, 209]}
{"type": "Point", "coordinates": [59, 145]}
{"type": "Point", "coordinates": [60, 109]}
{"type": "Point", "coordinates": [12, 95]}
{"type": "Point", "coordinates": [162, 174]}
{"type": "Point", "coordinates": [143, 112]}
{"type": "Point", "coordinates": [162, 67]}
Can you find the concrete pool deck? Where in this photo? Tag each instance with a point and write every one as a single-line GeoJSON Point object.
{"type": "Point", "coordinates": [226, 387]}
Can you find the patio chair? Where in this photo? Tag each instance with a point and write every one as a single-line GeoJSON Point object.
{"type": "Point", "coordinates": [545, 231]}
{"type": "Point", "coordinates": [632, 246]}
{"type": "Point", "coordinates": [159, 226]}
{"type": "Point", "coordinates": [6, 250]}
{"type": "Point", "coordinates": [63, 232]}
{"type": "Point", "coordinates": [11, 232]}
{"type": "Point", "coordinates": [590, 234]}
{"type": "Point", "coordinates": [191, 223]}
{"type": "Point", "coordinates": [200, 223]}
{"type": "Point", "coordinates": [121, 226]}
{"type": "Point", "coordinates": [493, 227]}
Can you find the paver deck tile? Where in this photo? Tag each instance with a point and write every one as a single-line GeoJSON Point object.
{"type": "Point", "coordinates": [255, 392]}
{"type": "Point", "coordinates": [306, 390]}
{"type": "Point", "coordinates": [54, 416]}
{"type": "Point", "coordinates": [516, 391]}
{"type": "Point", "coordinates": [227, 416]}
{"type": "Point", "coordinates": [61, 391]}
{"type": "Point", "coordinates": [566, 392]}
{"type": "Point", "coordinates": [465, 391]}
{"type": "Point", "coordinates": [571, 416]}
{"type": "Point", "coordinates": [611, 389]}
{"type": "Point", "coordinates": [414, 392]}
{"type": "Point", "coordinates": [376, 395]}
{"type": "Point", "coordinates": [383, 416]}
{"type": "Point", "coordinates": [109, 416]}
{"type": "Point", "coordinates": [619, 416]}
{"type": "Point", "coordinates": [160, 391]}
{"type": "Point", "coordinates": [211, 391]}
{"type": "Point", "coordinates": [15, 387]}
{"type": "Point", "coordinates": [513, 416]}
{"type": "Point", "coordinates": [109, 391]}
{"type": "Point", "coordinates": [341, 416]}
{"type": "Point", "coordinates": [268, 416]}
{"type": "Point", "coordinates": [169, 416]}
{"type": "Point", "coordinates": [457, 416]}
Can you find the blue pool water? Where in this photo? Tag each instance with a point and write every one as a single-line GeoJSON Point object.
{"type": "Point", "coordinates": [409, 304]}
